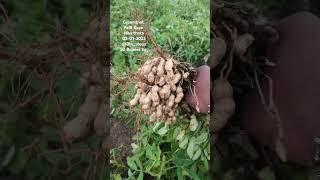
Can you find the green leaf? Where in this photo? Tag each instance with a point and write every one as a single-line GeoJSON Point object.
{"type": "Point", "coordinates": [133, 64]}
{"type": "Point", "coordinates": [192, 174]}
{"type": "Point", "coordinates": [116, 177]}
{"type": "Point", "coordinates": [150, 153]}
{"type": "Point", "coordinates": [193, 123]}
{"type": "Point", "coordinates": [19, 162]}
{"type": "Point", "coordinates": [190, 149]}
{"type": "Point", "coordinates": [179, 174]}
{"type": "Point", "coordinates": [206, 164]}
{"type": "Point", "coordinates": [163, 165]}
{"type": "Point", "coordinates": [8, 157]}
{"type": "Point", "coordinates": [183, 144]}
{"type": "Point", "coordinates": [130, 173]}
{"type": "Point", "coordinates": [149, 165]}
{"type": "Point", "coordinates": [202, 138]}
{"type": "Point", "coordinates": [158, 153]}
{"type": "Point", "coordinates": [134, 147]}
{"type": "Point", "coordinates": [131, 163]}
{"type": "Point", "coordinates": [162, 131]}
{"type": "Point", "coordinates": [156, 126]}
{"type": "Point", "coordinates": [180, 135]}
{"type": "Point", "coordinates": [206, 152]}
{"type": "Point", "coordinates": [140, 177]}
{"type": "Point", "coordinates": [197, 154]}
{"type": "Point", "coordinates": [145, 140]}
{"type": "Point", "coordinates": [138, 162]}
{"type": "Point", "coordinates": [176, 132]}
{"type": "Point", "coordinates": [181, 159]}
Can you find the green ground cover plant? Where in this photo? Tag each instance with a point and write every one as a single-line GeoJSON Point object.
{"type": "Point", "coordinates": [180, 150]}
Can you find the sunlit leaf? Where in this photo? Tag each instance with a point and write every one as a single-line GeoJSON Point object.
{"type": "Point", "coordinates": [181, 135]}
{"type": "Point", "coordinates": [197, 154]}
{"type": "Point", "coordinates": [140, 177]}
{"type": "Point", "coordinates": [176, 131]}
{"type": "Point", "coordinates": [131, 163]}
{"type": "Point", "coordinates": [162, 131]}
{"type": "Point", "coordinates": [191, 146]}
{"type": "Point", "coordinates": [202, 138]}
{"type": "Point", "coordinates": [183, 143]}
{"type": "Point", "coordinates": [156, 126]}
{"type": "Point", "coordinates": [193, 123]}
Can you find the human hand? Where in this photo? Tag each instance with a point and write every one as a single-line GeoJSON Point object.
{"type": "Point", "coordinates": [199, 97]}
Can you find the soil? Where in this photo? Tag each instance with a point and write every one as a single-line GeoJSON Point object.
{"type": "Point", "coordinates": [120, 136]}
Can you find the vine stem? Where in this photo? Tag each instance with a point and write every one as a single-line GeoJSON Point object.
{"type": "Point", "coordinates": [149, 36]}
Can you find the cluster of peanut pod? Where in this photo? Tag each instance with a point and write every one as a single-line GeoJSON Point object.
{"type": "Point", "coordinates": [159, 88]}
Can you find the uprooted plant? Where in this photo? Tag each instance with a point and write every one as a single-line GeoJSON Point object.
{"type": "Point", "coordinates": [166, 137]}
{"type": "Point", "coordinates": [240, 35]}
{"type": "Point", "coordinates": [159, 88]}
{"type": "Point", "coordinates": [237, 32]}
{"type": "Point", "coordinates": [161, 83]}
